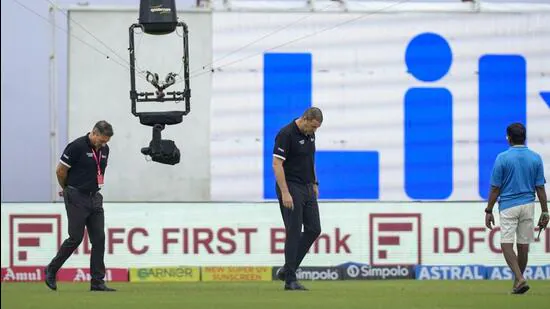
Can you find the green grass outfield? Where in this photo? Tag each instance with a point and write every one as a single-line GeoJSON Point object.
{"type": "Point", "coordinates": [390, 294]}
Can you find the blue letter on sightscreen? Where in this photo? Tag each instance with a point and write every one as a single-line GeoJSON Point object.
{"type": "Point", "coordinates": [428, 143]}
{"type": "Point", "coordinates": [287, 93]}
{"type": "Point", "coordinates": [428, 120]}
{"type": "Point", "coordinates": [502, 101]}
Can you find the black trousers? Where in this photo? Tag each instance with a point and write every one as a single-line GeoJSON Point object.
{"type": "Point", "coordinates": [305, 213]}
{"type": "Point", "coordinates": [83, 210]}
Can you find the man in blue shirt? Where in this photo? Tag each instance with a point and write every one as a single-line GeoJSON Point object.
{"type": "Point", "coordinates": [517, 174]}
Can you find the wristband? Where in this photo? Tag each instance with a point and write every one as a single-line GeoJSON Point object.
{"type": "Point", "coordinates": [488, 211]}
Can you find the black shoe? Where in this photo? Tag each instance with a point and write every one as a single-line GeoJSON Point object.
{"type": "Point", "coordinates": [294, 286]}
{"type": "Point", "coordinates": [50, 280]}
{"type": "Point", "coordinates": [281, 274]}
{"type": "Point", "coordinates": [101, 288]}
{"type": "Point", "coordinates": [521, 289]}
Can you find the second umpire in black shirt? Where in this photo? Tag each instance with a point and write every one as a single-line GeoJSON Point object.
{"type": "Point", "coordinates": [297, 190]}
{"type": "Point", "coordinates": [80, 173]}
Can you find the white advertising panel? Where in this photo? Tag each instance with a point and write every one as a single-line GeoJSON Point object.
{"type": "Point", "coordinates": [225, 234]}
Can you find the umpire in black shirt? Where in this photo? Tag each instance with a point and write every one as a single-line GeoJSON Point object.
{"type": "Point", "coordinates": [297, 190]}
{"type": "Point", "coordinates": [80, 173]}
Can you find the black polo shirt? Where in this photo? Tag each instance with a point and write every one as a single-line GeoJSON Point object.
{"type": "Point", "coordinates": [298, 152]}
{"type": "Point", "coordinates": [78, 157]}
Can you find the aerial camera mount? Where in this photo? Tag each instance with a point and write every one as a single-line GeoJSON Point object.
{"type": "Point", "coordinates": [158, 17]}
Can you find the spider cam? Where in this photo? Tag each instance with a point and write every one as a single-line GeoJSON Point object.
{"type": "Point", "coordinates": [158, 17]}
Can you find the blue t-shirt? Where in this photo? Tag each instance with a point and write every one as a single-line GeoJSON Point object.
{"type": "Point", "coordinates": [517, 172]}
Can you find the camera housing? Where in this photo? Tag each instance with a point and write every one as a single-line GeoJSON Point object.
{"type": "Point", "coordinates": [162, 150]}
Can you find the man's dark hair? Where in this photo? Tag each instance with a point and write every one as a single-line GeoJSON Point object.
{"type": "Point", "coordinates": [313, 113]}
{"type": "Point", "coordinates": [516, 132]}
{"type": "Point", "coordinates": [104, 128]}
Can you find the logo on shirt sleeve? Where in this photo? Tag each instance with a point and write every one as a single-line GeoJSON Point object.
{"type": "Point", "coordinates": [280, 149]}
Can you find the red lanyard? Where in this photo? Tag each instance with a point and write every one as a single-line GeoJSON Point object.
{"type": "Point", "coordinates": [97, 160]}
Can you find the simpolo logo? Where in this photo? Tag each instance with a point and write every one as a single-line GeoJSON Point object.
{"type": "Point", "coordinates": [317, 274]}
{"type": "Point", "coordinates": [353, 271]}
{"type": "Point", "coordinates": [179, 272]}
{"type": "Point", "coordinates": [367, 271]}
